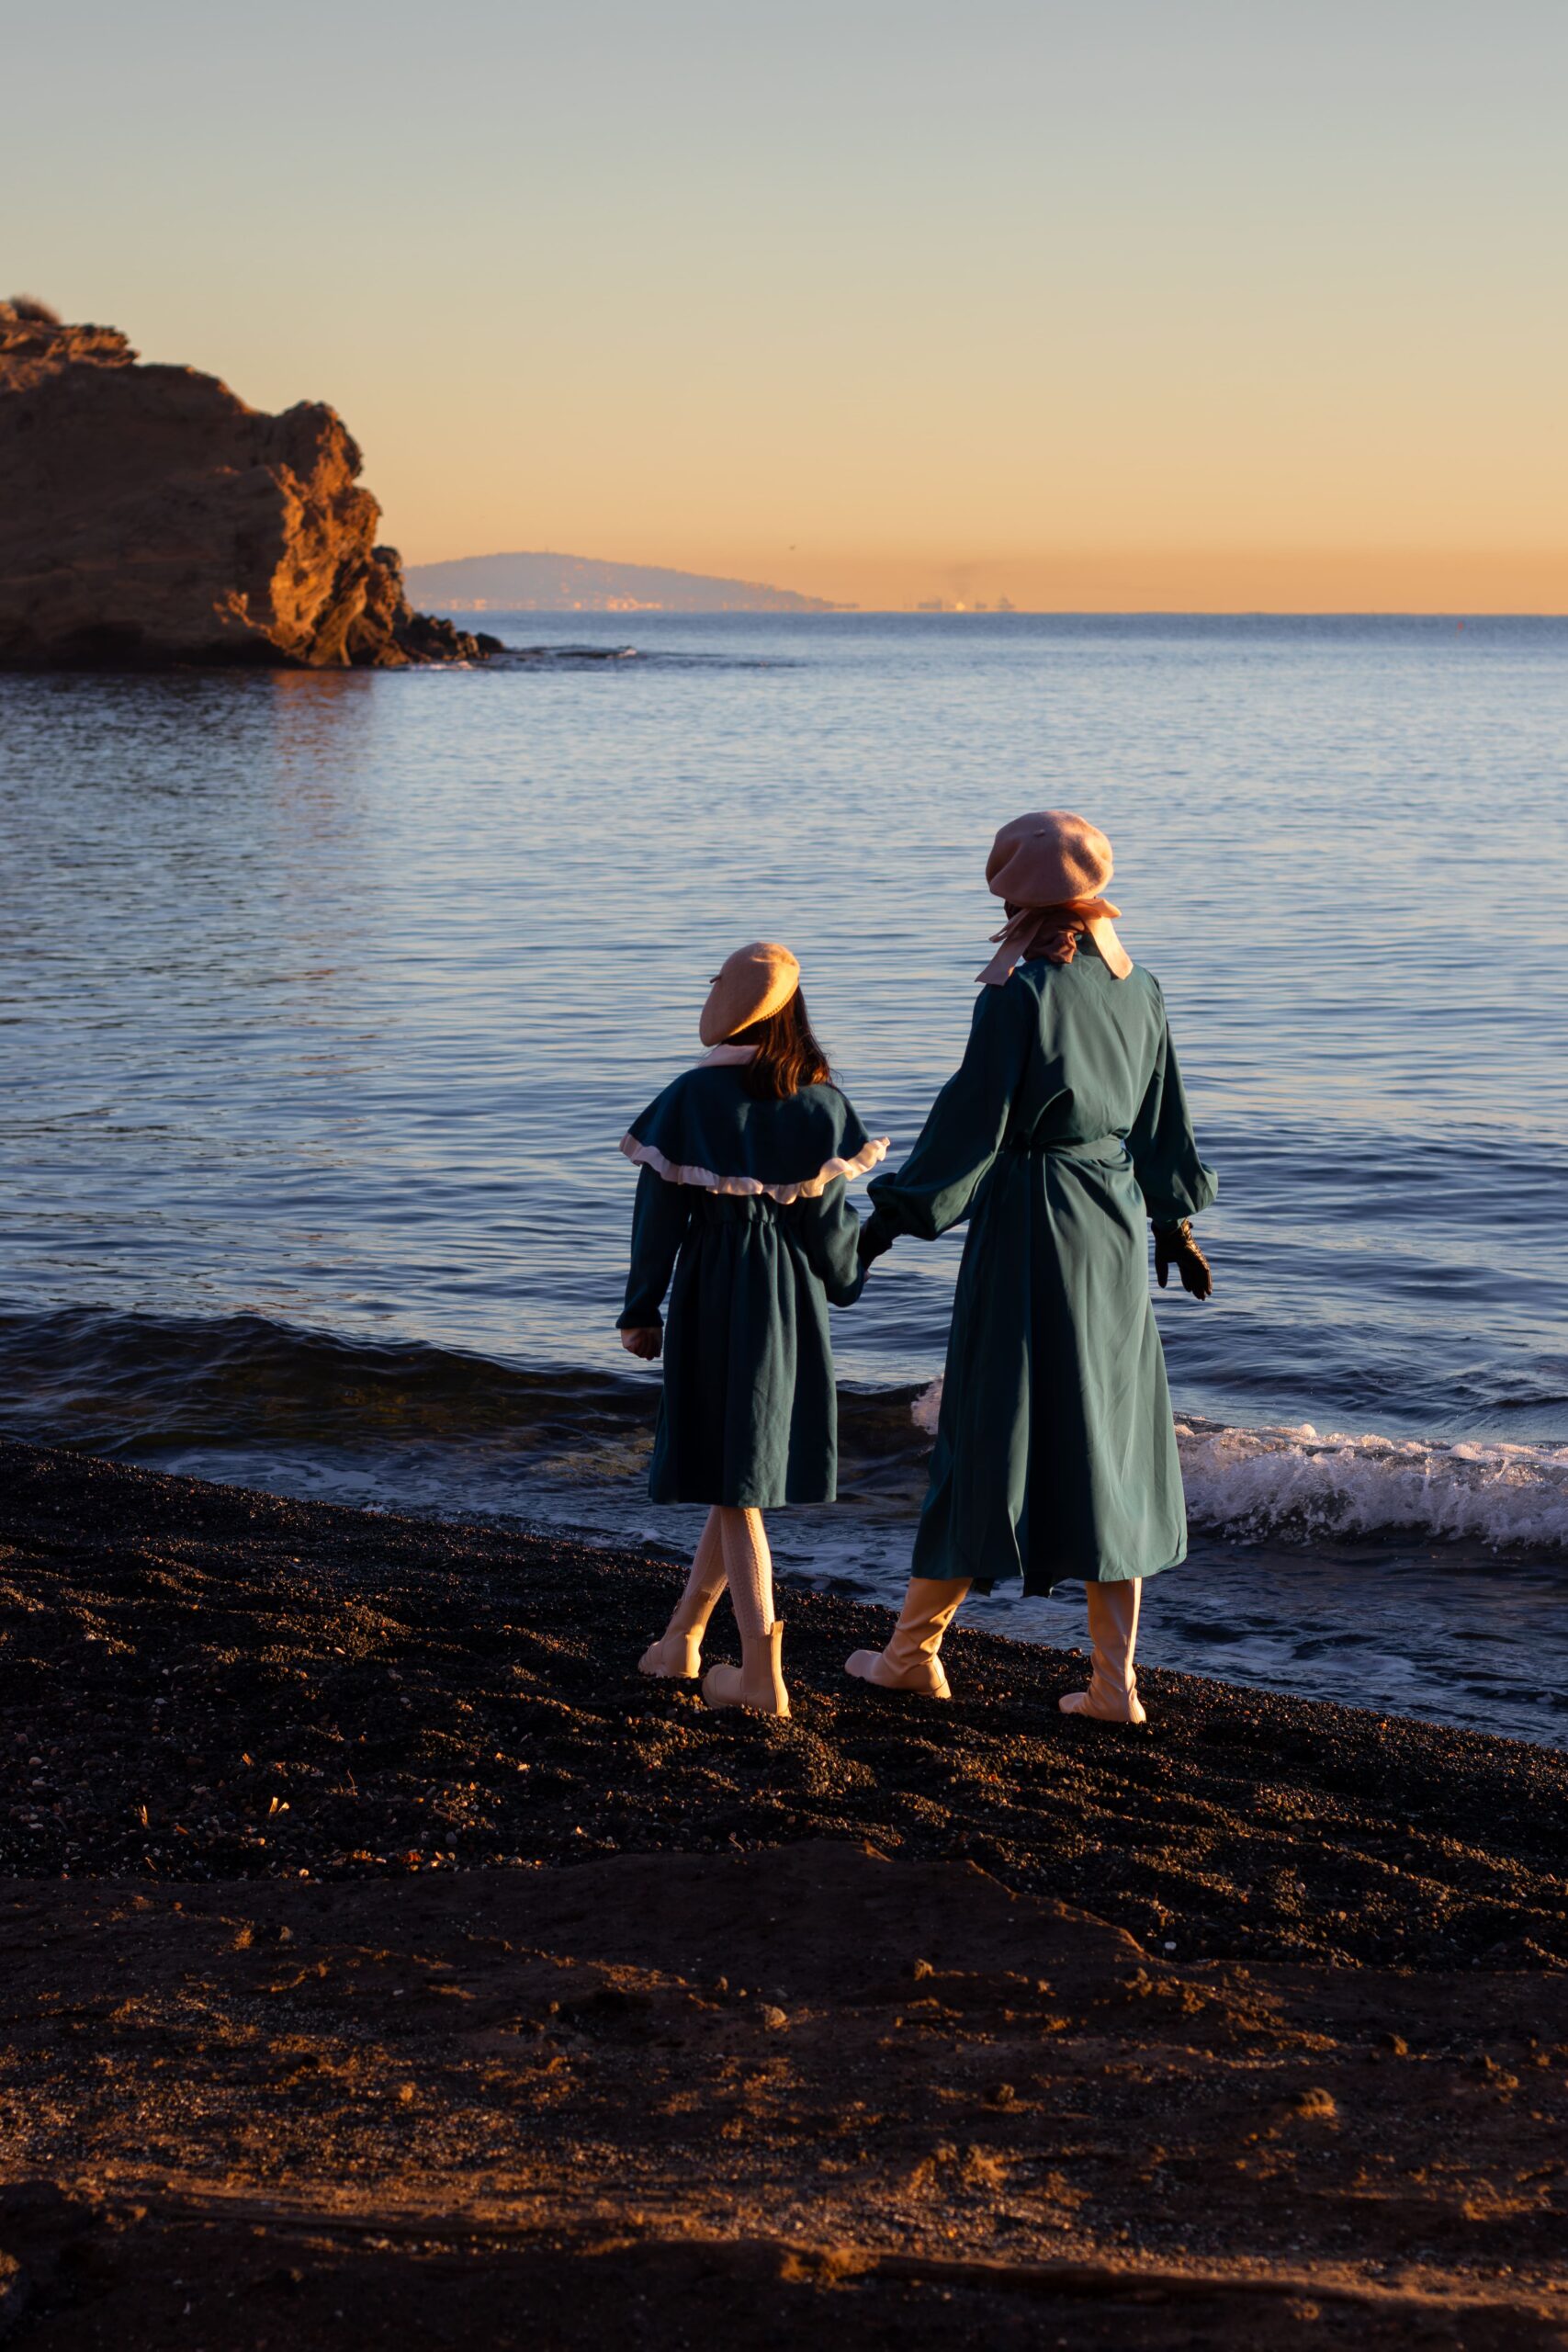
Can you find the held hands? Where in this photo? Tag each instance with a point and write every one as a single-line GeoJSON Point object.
{"type": "Point", "coordinates": [1174, 1246]}
{"type": "Point", "coordinates": [873, 1239]}
{"type": "Point", "coordinates": [647, 1344]}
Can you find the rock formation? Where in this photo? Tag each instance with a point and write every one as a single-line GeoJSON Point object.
{"type": "Point", "coordinates": [148, 517]}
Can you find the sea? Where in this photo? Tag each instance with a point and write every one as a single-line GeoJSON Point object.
{"type": "Point", "coordinates": [327, 1000]}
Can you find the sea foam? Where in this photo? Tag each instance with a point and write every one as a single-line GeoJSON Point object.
{"type": "Point", "coordinates": [1301, 1482]}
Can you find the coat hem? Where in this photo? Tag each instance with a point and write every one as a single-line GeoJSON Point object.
{"type": "Point", "coordinates": [1036, 1588]}
{"type": "Point", "coordinates": [744, 1501]}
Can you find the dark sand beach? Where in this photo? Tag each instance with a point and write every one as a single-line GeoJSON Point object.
{"type": "Point", "coordinates": [383, 1960]}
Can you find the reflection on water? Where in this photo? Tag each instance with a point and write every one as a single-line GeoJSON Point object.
{"type": "Point", "coordinates": [330, 995]}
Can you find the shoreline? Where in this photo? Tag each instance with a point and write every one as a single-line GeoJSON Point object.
{"type": "Point", "coordinates": [1366, 1569]}
{"type": "Point", "coordinates": [415, 1952]}
{"type": "Point", "coordinates": [425, 1660]}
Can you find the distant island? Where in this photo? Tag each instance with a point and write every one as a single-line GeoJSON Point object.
{"type": "Point", "coordinates": [575, 583]}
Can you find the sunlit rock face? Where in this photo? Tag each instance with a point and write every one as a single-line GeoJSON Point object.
{"type": "Point", "coordinates": [148, 517]}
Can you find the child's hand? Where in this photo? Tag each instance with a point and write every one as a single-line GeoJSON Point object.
{"type": "Point", "coordinates": [646, 1344]}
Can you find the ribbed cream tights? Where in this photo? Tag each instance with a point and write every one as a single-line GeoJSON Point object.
{"type": "Point", "coordinates": [733, 1550]}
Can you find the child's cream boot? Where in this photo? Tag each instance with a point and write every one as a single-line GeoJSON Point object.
{"type": "Point", "coordinates": [758, 1681]}
{"type": "Point", "coordinates": [677, 1654]}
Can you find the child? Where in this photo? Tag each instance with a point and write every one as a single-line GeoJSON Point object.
{"type": "Point", "coordinates": [745, 1162]}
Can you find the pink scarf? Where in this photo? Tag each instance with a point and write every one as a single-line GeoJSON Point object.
{"type": "Point", "coordinates": [1054, 932]}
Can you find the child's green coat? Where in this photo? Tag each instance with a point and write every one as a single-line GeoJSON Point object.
{"type": "Point", "coordinates": [1055, 1454]}
{"type": "Point", "coordinates": [745, 1204]}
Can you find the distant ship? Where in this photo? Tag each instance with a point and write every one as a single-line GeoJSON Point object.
{"type": "Point", "coordinates": [953, 605]}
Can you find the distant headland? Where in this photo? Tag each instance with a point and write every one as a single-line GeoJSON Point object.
{"type": "Point", "coordinates": [575, 583]}
{"type": "Point", "coordinates": [149, 518]}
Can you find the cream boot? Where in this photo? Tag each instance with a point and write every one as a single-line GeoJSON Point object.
{"type": "Point", "coordinates": [676, 1657]}
{"type": "Point", "coordinates": [677, 1654]}
{"type": "Point", "coordinates": [910, 1661]}
{"type": "Point", "coordinates": [1112, 1693]}
{"type": "Point", "coordinates": [758, 1681]}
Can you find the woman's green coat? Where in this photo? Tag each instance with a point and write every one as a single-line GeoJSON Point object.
{"type": "Point", "coordinates": [744, 1204]}
{"type": "Point", "coordinates": [1056, 1454]}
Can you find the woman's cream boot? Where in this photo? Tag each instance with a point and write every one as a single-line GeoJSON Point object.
{"type": "Point", "coordinates": [758, 1681]}
{"type": "Point", "coordinates": [910, 1661]}
{"type": "Point", "coordinates": [1112, 1693]}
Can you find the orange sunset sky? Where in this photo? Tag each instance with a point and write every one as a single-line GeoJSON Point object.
{"type": "Point", "coordinates": [1182, 305]}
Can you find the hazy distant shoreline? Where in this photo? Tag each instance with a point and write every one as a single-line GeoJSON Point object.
{"type": "Point", "coordinates": [577, 586]}
{"type": "Point", "coordinates": [552, 583]}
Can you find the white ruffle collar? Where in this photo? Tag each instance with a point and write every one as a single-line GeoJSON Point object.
{"type": "Point", "coordinates": [810, 1188]}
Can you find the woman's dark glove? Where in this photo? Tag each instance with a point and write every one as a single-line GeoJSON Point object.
{"type": "Point", "coordinates": [1174, 1246]}
{"type": "Point", "coordinates": [873, 1239]}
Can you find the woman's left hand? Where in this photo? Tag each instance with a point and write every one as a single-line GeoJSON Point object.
{"type": "Point", "coordinates": [646, 1344]}
{"type": "Point", "coordinates": [1174, 1246]}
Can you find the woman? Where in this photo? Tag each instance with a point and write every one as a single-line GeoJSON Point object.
{"type": "Point", "coordinates": [1056, 1454]}
{"type": "Point", "coordinates": [745, 1161]}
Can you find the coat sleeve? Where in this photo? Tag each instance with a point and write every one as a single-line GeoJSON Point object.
{"type": "Point", "coordinates": [829, 1229]}
{"type": "Point", "coordinates": [937, 1184]}
{"type": "Point", "coordinates": [1173, 1179]}
{"type": "Point", "coordinates": [660, 1217]}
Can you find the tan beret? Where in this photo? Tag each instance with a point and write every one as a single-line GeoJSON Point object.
{"type": "Point", "coordinates": [752, 983]}
{"type": "Point", "coordinates": [1048, 858]}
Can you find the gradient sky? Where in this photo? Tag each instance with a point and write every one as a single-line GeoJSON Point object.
{"type": "Point", "coordinates": [1207, 304]}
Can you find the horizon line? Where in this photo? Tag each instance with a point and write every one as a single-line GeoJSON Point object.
{"type": "Point", "coordinates": [930, 612]}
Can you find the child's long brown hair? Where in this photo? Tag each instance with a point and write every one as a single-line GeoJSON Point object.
{"type": "Point", "coordinates": [787, 1056]}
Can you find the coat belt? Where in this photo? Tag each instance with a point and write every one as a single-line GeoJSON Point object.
{"type": "Point", "coordinates": [1105, 1149]}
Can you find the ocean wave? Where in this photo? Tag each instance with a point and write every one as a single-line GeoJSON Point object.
{"type": "Point", "coordinates": [1301, 1482]}
{"type": "Point", "coordinates": [573, 653]}
{"type": "Point", "coordinates": [95, 1378]}
{"type": "Point", "coordinates": [646, 657]}
{"type": "Point", "coordinates": [249, 1392]}
{"type": "Point", "coordinates": [1297, 1484]}
{"type": "Point", "coordinates": [406, 1416]}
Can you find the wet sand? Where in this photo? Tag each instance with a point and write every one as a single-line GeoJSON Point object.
{"type": "Point", "coordinates": [382, 1958]}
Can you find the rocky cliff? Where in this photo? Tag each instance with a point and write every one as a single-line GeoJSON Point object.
{"type": "Point", "coordinates": [148, 517]}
